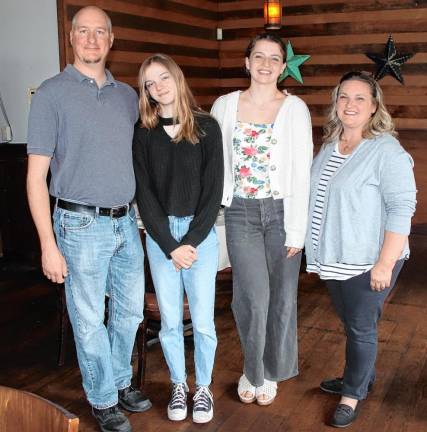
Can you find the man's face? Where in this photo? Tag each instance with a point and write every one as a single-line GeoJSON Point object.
{"type": "Point", "coordinates": [90, 38]}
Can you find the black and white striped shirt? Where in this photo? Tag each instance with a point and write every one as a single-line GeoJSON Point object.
{"type": "Point", "coordinates": [337, 271]}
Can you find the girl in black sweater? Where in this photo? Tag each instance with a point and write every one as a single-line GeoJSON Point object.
{"type": "Point", "coordinates": [178, 166]}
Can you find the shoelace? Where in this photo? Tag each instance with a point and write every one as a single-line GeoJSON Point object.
{"type": "Point", "coordinates": [126, 390]}
{"type": "Point", "coordinates": [109, 412]}
{"type": "Point", "coordinates": [202, 399]}
{"type": "Point", "coordinates": [178, 399]}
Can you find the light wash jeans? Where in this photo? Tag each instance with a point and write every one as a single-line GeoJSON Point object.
{"type": "Point", "coordinates": [103, 255]}
{"type": "Point", "coordinates": [199, 284]}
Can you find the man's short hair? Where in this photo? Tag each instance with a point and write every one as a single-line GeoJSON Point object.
{"type": "Point", "coordinates": [107, 18]}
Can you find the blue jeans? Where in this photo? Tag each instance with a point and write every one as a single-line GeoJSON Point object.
{"type": "Point", "coordinates": [103, 255]}
{"type": "Point", "coordinates": [199, 284]}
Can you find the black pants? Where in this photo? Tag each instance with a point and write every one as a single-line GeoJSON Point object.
{"type": "Point", "coordinates": [359, 308]}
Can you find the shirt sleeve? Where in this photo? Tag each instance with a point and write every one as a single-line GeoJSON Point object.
{"type": "Point", "coordinates": [135, 105]}
{"type": "Point", "coordinates": [212, 182]}
{"type": "Point", "coordinates": [42, 124]}
{"type": "Point", "coordinates": [154, 218]}
{"type": "Point", "coordinates": [398, 189]}
{"type": "Point", "coordinates": [296, 212]}
{"type": "Point", "coordinates": [216, 110]}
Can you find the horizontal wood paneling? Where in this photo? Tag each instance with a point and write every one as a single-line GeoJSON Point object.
{"type": "Point", "coordinates": [174, 11]}
{"type": "Point", "coordinates": [337, 34]}
{"type": "Point", "coordinates": [250, 9]}
{"type": "Point", "coordinates": [185, 30]}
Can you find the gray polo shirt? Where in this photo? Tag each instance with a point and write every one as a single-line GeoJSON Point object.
{"type": "Point", "coordinates": [88, 133]}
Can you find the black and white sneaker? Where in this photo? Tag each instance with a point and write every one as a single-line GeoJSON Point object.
{"type": "Point", "coordinates": [203, 405]}
{"type": "Point", "coordinates": [177, 408]}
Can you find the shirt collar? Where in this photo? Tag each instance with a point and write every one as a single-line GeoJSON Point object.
{"type": "Point", "coordinates": [76, 74]}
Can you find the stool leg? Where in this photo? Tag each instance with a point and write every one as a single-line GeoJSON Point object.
{"type": "Point", "coordinates": [64, 324]}
{"type": "Point", "coordinates": [141, 341]}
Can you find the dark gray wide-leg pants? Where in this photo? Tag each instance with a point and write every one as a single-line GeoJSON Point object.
{"type": "Point", "coordinates": [264, 288]}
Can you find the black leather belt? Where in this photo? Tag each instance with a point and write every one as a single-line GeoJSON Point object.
{"type": "Point", "coordinates": [114, 212]}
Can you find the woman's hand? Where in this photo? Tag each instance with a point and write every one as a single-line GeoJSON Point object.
{"type": "Point", "coordinates": [381, 276]}
{"type": "Point", "coordinates": [183, 257]}
{"type": "Point", "coordinates": [292, 252]}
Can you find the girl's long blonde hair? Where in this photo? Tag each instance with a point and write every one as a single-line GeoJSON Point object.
{"type": "Point", "coordinates": [380, 122]}
{"type": "Point", "coordinates": [185, 103]}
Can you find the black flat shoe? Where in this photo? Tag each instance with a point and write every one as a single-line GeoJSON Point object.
{"type": "Point", "coordinates": [344, 415]}
{"type": "Point", "coordinates": [133, 400]}
{"type": "Point", "coordinates": [334, 386]}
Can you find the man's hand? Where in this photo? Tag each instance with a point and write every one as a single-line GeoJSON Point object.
{"type": "Point", "coordinates": [53, 264]}
{"type": "Point", "coordinates": [183, 257]}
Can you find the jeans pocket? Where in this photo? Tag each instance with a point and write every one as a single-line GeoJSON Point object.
{"type": "Point", "coordinates": [71, 221]}
{"type": "Point", "coordinates": [236, 223]}
{"type": "Point", "coordinates": [132, 213]}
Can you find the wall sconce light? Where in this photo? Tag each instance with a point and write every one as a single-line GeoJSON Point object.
{"type": "Point", "coordinates": [272, 14]}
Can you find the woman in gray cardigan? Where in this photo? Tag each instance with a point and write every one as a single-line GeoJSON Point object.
{"type": "Point", "coordinates": [362, 200]}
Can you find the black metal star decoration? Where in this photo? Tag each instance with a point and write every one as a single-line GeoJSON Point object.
{"type": "Point", "coordinates": [390, 63]}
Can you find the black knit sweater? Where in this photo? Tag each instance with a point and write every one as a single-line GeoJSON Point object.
{"type": "Point", "coordinates": [178, 179]}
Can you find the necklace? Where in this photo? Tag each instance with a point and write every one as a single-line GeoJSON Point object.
{"type": "Point", "coordinates": [347, 146]}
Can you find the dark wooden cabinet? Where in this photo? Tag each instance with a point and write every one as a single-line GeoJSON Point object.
{"type": "Point", "coordinates": [19, 241]}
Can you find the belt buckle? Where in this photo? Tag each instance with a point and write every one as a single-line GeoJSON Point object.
{"type": "Point", "coordinates": [116, 212]}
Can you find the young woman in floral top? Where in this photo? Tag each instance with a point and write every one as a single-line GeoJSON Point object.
{"type": "Point", "coordinates": [267, 157]}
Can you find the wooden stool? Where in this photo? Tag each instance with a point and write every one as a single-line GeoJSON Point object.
{"type": "Point", "coordinates": [22, 411]}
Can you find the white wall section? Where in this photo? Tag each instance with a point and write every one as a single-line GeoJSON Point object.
{"type": "Point", "coordinates": [29, 54]}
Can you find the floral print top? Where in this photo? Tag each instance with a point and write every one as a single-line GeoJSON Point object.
{"type": "Point", "coordinates": [251, 159]}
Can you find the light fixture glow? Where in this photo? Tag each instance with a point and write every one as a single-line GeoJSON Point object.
{"type": "Point", "coordinates": [272, 14]}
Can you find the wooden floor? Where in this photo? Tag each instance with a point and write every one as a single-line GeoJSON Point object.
{"type": "Point", "coordinates": [398, 403]}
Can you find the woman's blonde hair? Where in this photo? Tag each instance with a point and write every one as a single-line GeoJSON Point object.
{"type": "Point", "coordinates": [380, 121]}
{"type": "Point", "coordinates": [185, 103]}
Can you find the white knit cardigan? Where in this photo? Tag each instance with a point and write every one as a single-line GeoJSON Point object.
{"type": "Point", "coordinates": [291, 154]}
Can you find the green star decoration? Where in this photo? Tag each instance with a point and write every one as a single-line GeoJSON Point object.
{"type": "Point", "coordinates": [293, 62]}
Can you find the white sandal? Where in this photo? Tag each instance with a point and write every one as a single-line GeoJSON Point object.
{"type": "Point", "coordinates": [268, 390]}
{"type": "Point", "coordinates": [244, 388]}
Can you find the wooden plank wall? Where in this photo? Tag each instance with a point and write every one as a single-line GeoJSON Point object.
{"type": "Point", "coordinates": [337, 33]}
{"type": "Point", "coordinates": [184, 29]}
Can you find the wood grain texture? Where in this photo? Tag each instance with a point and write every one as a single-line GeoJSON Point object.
{"type": "Point", "coordinates": [336, 33]}
{"type": "Point", "coordinates": [185, 30]}
{"type": "Point", "coordinates": [26, 412]}
{"type": "Point", "coordinates": [397, 404]}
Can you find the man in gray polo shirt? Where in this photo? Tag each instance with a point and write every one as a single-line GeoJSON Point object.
{"type": "Point", "coordinates": [81, 127]}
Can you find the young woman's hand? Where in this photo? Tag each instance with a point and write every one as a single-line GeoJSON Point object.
{"type": "Point", "coordinates": [183, 257]}
{"type": "Point", "coordinates": [292, 252]}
